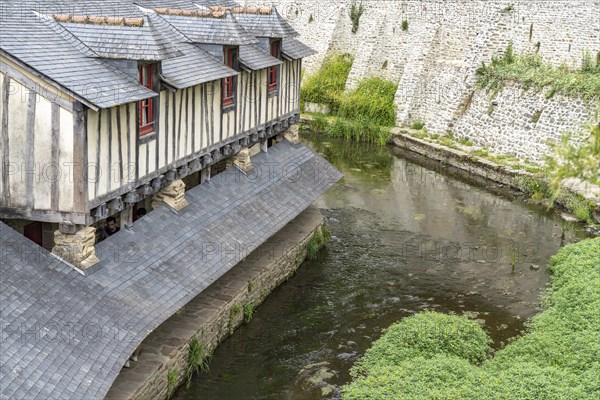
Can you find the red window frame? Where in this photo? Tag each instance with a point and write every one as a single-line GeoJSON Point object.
{"type": "Point", "coordinates": [272, 72]}
{"type": "Point", "coordinates": [228, 84]}
{"type": "Point", "coordinates": [146, 106]}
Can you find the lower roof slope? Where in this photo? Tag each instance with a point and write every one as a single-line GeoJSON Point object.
{"type": "Point", "coordinates": [66, 336]}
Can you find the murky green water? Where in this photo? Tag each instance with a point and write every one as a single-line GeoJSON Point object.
{"type": "Point", "coordinates": [405, 238]}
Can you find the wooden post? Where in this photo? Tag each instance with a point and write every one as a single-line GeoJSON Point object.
{"type": "Point", "coordinates": [127, 216]}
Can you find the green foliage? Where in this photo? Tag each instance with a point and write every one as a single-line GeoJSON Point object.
{"type": "Point", "coordinates": [172, 381]}
{"type": "Point", "coordinates": [557, 358]}
{"type": "Point", "coordinates": [356, 11]}
{"type": "Point", "coordinates": [248, 312]}
{"type": "Point", "coordinates": [310, 19]}
{"type": "Point", "coordinates": [580, 161]}
{"type": "Point", "coordinates": [424, 335]}
{"type": "Point", "coordinates": [372, 102]}
{"type": "Point", "coordinates": [529, 70]}
{"type": "Point", "coordinates": [418, 125]}
{"type": "Point", "coordinates": [536, 117]}
{"type": "Point", "coordinates": [318, 240]}
{"type": "Point", "coordinates": [327, 85]}
{"type": "Point", "coordinates": [250, 286]}
{"type": "Point", "coordinates": [235, 310]}
{"type": "Point", "coordinates": [508, 9]}
{"type": "Point", "coordinates": [197, 360]}
{"type": "Point", "coordinates": [359, 131]}
{"type": "Point", "coordinates": [405, 25]}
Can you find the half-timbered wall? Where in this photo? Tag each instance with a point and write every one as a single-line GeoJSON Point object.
{"type": "Point", "coordinates": [42, 171]}
{"type": "Point", "coordinates": [191, 122]}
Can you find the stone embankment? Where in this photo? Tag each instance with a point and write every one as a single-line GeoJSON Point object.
{"type": "Point", "coordinates": [215, 313]}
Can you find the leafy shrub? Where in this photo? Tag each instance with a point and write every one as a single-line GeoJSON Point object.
{"type": "Point", "coordinates": [356, 11]}
{"type": "Point", "coordinates": [557, 358]}
{"type": "Point", "coordinates": [569, 160]}
{"type": "Point", "coordinates": [405, 25]}
{"type": "Point", "coordinates": [424, 335]}
{"type": "Point", "coordinates": [371, 102]}
{"type": "Point", "coordinates": [327, 85]}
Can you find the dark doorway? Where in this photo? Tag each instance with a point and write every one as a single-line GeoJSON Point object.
{"type": "Point", "coordinates": [34, 232]}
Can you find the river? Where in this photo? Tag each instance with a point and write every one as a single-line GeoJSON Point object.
{"type": "Point", "coordinates": [405, 238]}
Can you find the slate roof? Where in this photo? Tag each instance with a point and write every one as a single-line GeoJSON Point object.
{"type": "Point", "coordinates": [271, 26]}
{"type": "Point", "coordinates": [73, 55]}
{"type": "Point", "coordinates": [223, 31]}
{"type": "Point", "coordinates": [254, 58]}
{"type": "Point", "coordinates": [146, 275]}
{"type": "Point", "coordinates": [68, 64]}
{"type": "Point", "coordinates": [125, 42]}
{"type": "Point", "coordinates": [294, 49]}
{"type": "Point", "coordinates": [194, 67]}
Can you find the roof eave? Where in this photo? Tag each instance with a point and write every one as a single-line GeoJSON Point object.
{"type": "Point", "coordinates": [42, 76]}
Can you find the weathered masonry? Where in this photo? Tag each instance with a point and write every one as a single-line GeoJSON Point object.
{"type": "Point", "coordinates": [182, 109]}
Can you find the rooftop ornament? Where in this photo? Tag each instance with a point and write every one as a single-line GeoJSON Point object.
{"type": "Point", "coordinates": [243, 10]}
{"type": "Point", "coordinates": [98, 20]}
{"type": "Point", "coordinates": [191, 13]}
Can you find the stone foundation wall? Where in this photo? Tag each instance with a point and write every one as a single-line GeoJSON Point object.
{"type": "Point", "coordinates": [521, 123]}
{"type": "Point", "coordinates": [211, 316]}
{"type": "Point", "coordinates": [435, 59]}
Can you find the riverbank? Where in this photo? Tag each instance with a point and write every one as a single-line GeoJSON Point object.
{"type": "Point", "coordinates": [431, 355]}
{"type": "Point", "coordinates": [581, 200]}
{"type": "Point", "coordinates": [198, 328]}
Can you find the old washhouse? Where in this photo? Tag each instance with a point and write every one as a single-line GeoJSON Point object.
{"type": "Point", "coordinates": [109, 107]}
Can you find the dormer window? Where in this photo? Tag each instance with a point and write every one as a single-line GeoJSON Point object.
{"type": "Point", "coordinates": [273, 72]}
{"type": "Point", "coordinates": [230, 59]}
{"type": "Point", "coordinates": [146, 106]}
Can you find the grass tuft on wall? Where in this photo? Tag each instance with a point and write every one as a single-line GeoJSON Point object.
{"type": "Point", "coordinates": [530, 71]}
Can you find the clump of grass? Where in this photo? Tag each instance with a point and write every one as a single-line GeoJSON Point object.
{"type": "Point", "coordinates": [405, 25]}
{"type": "Point", "coordinates": [359, 131]}
{"type": "Point", "coordinates": [248, 312]}
{"type": "Point", "coordinates": [327, 85]}
{"type": "Point", "coordinates": [356, 11]}
{"type": "Point", "coordinates": [531, 72]}
{"type": "Point", "coordinates": [371, 102]}
{"type": "Point", "coordinates": [418, 125]}
{"type": "Point", "coordinates": [172, 381]}
{"type": "Point", "coordinates": [197, 360]}
{"type": "Point", "coordinates": [318, 240]}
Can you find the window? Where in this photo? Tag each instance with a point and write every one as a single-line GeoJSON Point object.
{"type": "Point", "coordinates": [146, 118]}
{"type": "Point", "coordinates": [273, 71]}
{"type": "Point", "coordinates": [230, 59]}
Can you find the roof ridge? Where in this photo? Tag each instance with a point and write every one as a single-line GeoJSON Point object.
{"type": "Point", "coordinates": [190, 13]}
{"type": "Point", "coordinates": [66, 34]}
{"type": "Point", "coordinates": [98, 20]}
{"type": "Point", "coordinates": [243, 10]}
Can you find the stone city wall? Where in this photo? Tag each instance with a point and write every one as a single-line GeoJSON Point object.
{"type": "Point", "coordinates": [434, 60]}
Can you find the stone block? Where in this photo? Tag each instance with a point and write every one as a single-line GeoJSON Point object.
{"type": "Point", "coordinates": [77, 249]}
{"type": "Point", "coordinates": [172, 195]}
